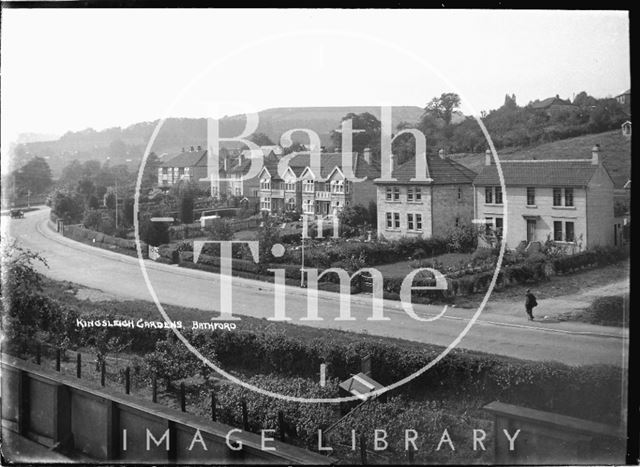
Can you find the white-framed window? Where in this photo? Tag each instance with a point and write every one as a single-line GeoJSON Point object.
{"type": "Point", "coordinates": [291, 204]}
{"type": "Point", "coordinates": [410, 221]}
{"type": "Point", "coordinates": [389, 220]}
{"type": "Point", "coordinates": [337, 186]}
{"type": "Point", "coordinates": [308, 186]}
{"type": "Point", "coordinates": [418, 221]}
{"type": "Point", "coordinates": [493, 195]}
{"type": "Point", "coordinates": [414, 221]}
{"type": "Point", "coordinates": [347, 185]}
{"type": "Point", "coordinates": [558, 197]}
{"type": "Point", "coordinates": [307, 206]}
{"type": "Point", "coordinates": [290, 186]}
{"type": "Point", "coordinates": [392, 193]}
{"type": "Point", "coordinates": [265, 184]}
{"type": "Point", "coordinates": [414, 194]}
{"type": "Point", "coordinates": [396, 220]}
{"type": "Point", "coordinates": [265, 203]}
{"type": "Point", "coordinates": [531, 196]}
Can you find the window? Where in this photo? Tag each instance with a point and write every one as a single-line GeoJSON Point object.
{"type": "Point", "coordinates": [531, 196]}
{"type": "Point", "coordinates": [459, 193]}
{"type": "Point", "coordinates": [396, 193]}
{"type": "Point", "coordinates": [410, 221]}
{"type": "Point", "coordinates": [238, 191]}
{"type": "Point", "coordinates": [557, 231]}
{"type": "Point", "coordinates": [457, 222]}
{"type": "Point", "coordinates": [396, 220]}
{"type": "Point", "coordinates": [568, 196]}
{"type": "Point", "coordinates": [308, 186]}
{"type": "Point", "coordinates": [389, 220]}
{"type": "Point", "coordinates": [180, 171]}
{"type": "Point", "coordinates": [498, 195]}
{"type": "Point", "coordinates": [488, 195]}
{"type": "Point", "coordinates": [557, 196]}
{"type": "Point", "coordinates": [265, 185]}
{"type": "Point", "coordinates": [389, 193]}
{"type": "Point", "coordinates": [291, 204]}
{"type": "Point", "coordinates": [291, 186]}
{"type": "Point", "coordinates": [418, 221]}
{"type": "Point", "coordinates": [569, 232]}
{"type": "Point", "coordinates": [165, 170]}
{"type": "Point", "coordinates": [414, 194]}
{"type": "Point", "coordinates": [346, 186]}
{"type": "Point", "coordinates": [266, 203]}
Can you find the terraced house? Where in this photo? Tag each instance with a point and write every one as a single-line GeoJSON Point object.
{"type": "Point", "coordinates": [569, 201]}
{"type": "Point", "coordinates": [408, 208]}
{"type": "Point", "coordinates": [297, 187]}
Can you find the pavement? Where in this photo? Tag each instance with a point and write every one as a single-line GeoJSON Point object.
{"type": "Point", "coordinates": [501, 329]}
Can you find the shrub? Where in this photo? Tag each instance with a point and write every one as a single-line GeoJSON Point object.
{"type": "Point", "coordinates": [608, 310]}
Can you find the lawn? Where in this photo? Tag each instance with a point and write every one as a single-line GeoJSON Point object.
{"type": "Point", "coordinates": [402, 268]}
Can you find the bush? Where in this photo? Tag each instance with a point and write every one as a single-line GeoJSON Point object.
{"type": "Point", "coordinates": [607, 311]}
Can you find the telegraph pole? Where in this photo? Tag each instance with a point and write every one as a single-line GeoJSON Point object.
{"type": "Point", "coordinates": [116, 203]}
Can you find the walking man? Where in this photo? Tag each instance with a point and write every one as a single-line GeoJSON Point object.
{"type": "Point", "coordinates": [529, 303]}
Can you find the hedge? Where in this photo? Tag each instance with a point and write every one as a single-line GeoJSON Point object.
{"type": "Point", "coordinates": [82, 234]}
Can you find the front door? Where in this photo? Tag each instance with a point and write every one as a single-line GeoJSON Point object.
{"type": "Point", "coordinates": [531, 230]}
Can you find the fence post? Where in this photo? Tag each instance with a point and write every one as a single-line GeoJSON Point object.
{"type": "Point", "coordinates": [58, 359]}
{"type": "Point", "coordinates": [38, 353]}
{"type": "Point", "coordinates": [154, 388]}
{"type": "Point", "coordinates": [102, 372]}
{"type": "Point", "coordinates": [213, 405]}
{"type": "Point", "coordinates": [127, 380]}
{"type": "Point", "coordinates": [78, 364]}
{"type": "Point", "coordinates": [183, 402]}
{"type": "Point", "coordinates": [245, 416]}
{"type": "Point", "coordinates": [363, 449]}
{"type": "Point", "coordinates": [281, 427]}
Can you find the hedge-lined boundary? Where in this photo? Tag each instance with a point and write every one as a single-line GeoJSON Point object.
{"type": "Point", "coordinates": [91, 237]}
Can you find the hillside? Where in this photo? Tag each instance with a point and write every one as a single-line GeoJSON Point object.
{"type": "Point", "coordinates": [615, 150]}
{"type": "Point", "coordinates": [126, 145]}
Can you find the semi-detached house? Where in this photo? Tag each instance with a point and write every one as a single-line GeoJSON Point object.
{"type": "Point", "coordinates": [410, 208]}
{"type": "Point", "coordinates": [569, 201]}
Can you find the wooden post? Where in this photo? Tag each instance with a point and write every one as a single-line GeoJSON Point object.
{"type": "Point", "coordinates": [245, 416]}
{"type": "Point", "coordinates": [38, 353]}
{"type": "Point", "coordinates": [213, 405]}
{"type": "Point", "coordinates": [102, 372]}
{"type": "Point", "coordinates": [154, 388]}
{"type": "Point", "coordinates": [78, 364]}
{"type": "Point", "coordinates": [58, 359]}
{"type": "Point", "coordinates": [127, 380]}
{"type": "Point", "coordinates": [281, 427]}
{"type": "Point", "coordinates": [363, 449]}
{"type": "Point", "coordinates": [183, 402]}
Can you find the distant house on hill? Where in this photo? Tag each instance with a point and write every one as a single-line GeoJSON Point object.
{"type": "Point", "coordinates": [569, 201]}
{"type": "Point", "coordinates": [624, 100]}
{"type": "Point", "coordinates": [553, 105]}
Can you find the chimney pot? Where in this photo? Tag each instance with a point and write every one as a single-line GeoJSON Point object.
{"type": "Point", "coordinates": [595, 155]}
{"type": "Point", "coordinates": [199, 148]}
{"type": "Point", "coordinates": [191, 148]}
{"type": "Point", "coordinates": [487, 157]}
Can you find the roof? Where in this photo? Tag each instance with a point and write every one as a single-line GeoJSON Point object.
{"type": "Point", "coordinates": [442, 172]}
{"type": "Point", "coordinates": [360, 385]}
{"type": "Point", "coordinates": [628, 91]}
{"type": "Point", "coordinates": [549, 101]}
{"type": "Point", "coordinates": [329, 161]}
{"type": "Point", "coordinates": [546, 173]}
{"type": "Point", "coordinates": [187, 159]}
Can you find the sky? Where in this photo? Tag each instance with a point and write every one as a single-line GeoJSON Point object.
{"type": "Point", "coordinates": [70, 69]}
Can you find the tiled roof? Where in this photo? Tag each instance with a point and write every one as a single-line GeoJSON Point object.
{"type": "Point", "coordinates": [546, 173]}
{"type": "Point", "coordinates": [442, 171]}
{"type": "Point", "coordinates": [329, 161]}
{"type": "Point", "coordinates": [543, 104]}
{"type": "Point", "coordinates": [187, 159]}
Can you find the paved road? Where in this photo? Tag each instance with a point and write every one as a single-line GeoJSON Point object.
{"type": "Point", "coordinates": [496, 332]}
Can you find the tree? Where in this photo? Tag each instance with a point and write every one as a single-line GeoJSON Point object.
{"type": "Point", "coordinates": [34, 176]}
{"type": "Point", "coordinates": [67, 205]}
{"type": "Point", "coordinates": [354, 220]}
{"type": "Point", "coordinates": [443, 107]}
{"type": "Point", "coordinates": [261, 139]}
{"type": "Point", "coordinates": [369, 138]}
{"type": "Point", "coordinates": [150, 172]}
{"type": "Point", "coordinates": [86, 189]}
{"type": "Point", "coordinates": [154, 233]}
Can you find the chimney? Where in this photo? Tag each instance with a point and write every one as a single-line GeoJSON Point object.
{"type": "Point", "coordinates": [441, 153]}
{"type": "Point", "coordinates": [487, 157]}
{"type": "Point", "coordinates": [191, 148]}
{"type": "Point", "coordinates": [199, 148]}
{"type": "Point", "coordinates": [367, 155]}
{"type": "Point", "coordinates": [595, 155]}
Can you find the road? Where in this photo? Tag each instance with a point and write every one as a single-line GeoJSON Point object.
{"type": "Point", "coordinates": [499, 330]}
